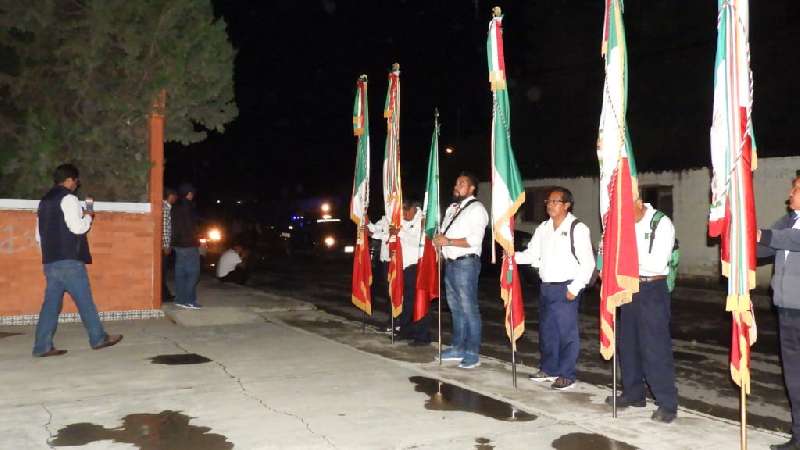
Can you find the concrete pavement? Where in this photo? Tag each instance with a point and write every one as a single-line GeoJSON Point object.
{"type": "Point", "coordinates": [267, 371]}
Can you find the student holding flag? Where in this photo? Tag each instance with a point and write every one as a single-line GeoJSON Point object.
{"type": "Point", "coordinates": [561, 248]}
{"type": "Point", "coordinates": [460, 240]}
{"type": "Point", "coordinates": [409, 234]}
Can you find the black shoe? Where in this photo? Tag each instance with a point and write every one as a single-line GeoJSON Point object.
{"type": "Point", "coordinates": [793, 444]}
{"type": "Point", "coordinates": [623, 402]}
{"type": "Point", "coordinates": [664, 415]}
{"type": "Point", "coordinates": [419, 343]}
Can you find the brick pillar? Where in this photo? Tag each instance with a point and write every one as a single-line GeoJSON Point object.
{"type": "Point", "coordinates": [156, 123]}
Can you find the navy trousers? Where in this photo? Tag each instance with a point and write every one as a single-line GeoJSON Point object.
{"type": "Point", "coordinates": [645, 346]}
{"type": "Point", "coordinates": [789, 334]}
{"type": "Point", "coordinates": [559, 339]}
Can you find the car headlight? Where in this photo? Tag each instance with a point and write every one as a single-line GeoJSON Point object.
{"type": "Point", "coordinates": [329, 241]}
{"type": "Point", "coordinates": [214, 235]}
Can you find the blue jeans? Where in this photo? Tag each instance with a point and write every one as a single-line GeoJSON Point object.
{"type": "Point", "coordinates": [187, 273]}
{"type": "Point", "coordinates": [645, 345]}
{"type": "Point", "coordinates": [461, 286]}
{"type": "Point", "coordinates": [66, 276]}
{"type": "Point", "coordinates": [559, 340]}
{"type": "Point", "coordinates": [789, 333]}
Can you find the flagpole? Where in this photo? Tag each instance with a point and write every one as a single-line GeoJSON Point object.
{"type": "Point", "coordinates": [614, 369]}
{"type": "Point", "coordinates": [743, 408]}
{"type": "Point", "coordinates": [511, 311]}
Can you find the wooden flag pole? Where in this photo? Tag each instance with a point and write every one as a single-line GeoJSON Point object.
{"type": "Point", "coordinates": [614, 369]}
{"type": "Point", "coordinates": [439, 300]}
{"type": "Point", "coordinates": [743, 408]}
{"type": "Point", "coordinates": [511, 338]}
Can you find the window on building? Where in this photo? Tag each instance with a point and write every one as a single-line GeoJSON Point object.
{"type": "Point", "coordinates": [659, 196]}
{"type": "Point", "coordinates": [533, 210]}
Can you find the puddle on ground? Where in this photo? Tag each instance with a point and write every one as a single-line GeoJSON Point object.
{"type": "Point", "coordinates": [4, 334]}
{"type": "Point", "coordinates": [448, 397]}
{"type": "Point", "coordinates": [179, 359]}
{"type": "Point", "coordinates": [482, 443]}
{"type": "Point", "coordinates": [165, 430]}
{"type": "Point", "coordinates": [581, 441]}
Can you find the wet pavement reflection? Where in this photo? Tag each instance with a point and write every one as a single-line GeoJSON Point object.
{"type": "Point", "coordinates": [448, 397]}
{"type": "Point", "coordinates": [165, 430]}
{"type": "Point", "coordinates": [583, 441]}
{"type": "Point", "coordinates": [179, 359]}
{"type": "Point", "coordinates": [482, 443]}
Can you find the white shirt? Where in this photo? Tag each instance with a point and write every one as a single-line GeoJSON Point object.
{"type": "Point", "coordinates": [654, 263]}
{"type": "Point", "coordinates": [380, 231]}
{"type": "Point", "coordinates": [76, 221]}
{"type": "Point", "coordinates": [227, 262]}
{"type": "Point", "coordinates": [410, 232]}
{"type": "Point", "coordinates": [550, 251]}
{"type": "Point", "coordinates": [470, 224]}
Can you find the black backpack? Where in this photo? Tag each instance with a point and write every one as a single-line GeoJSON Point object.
{"type": "Point", "coordinates": [595, 272]}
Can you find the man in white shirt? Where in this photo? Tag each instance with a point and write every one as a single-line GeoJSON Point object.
{"type": "Point", "coordinates": [231, 267]}
{"type": "Point", "coordinates": [409, 233]}
{"type": "Point", "coordinates": [561, 248]}
{"type": "Point", "coordinates": [460, 240]}
{"type": "Point", "coordinates": [379, 231]}
{"type": "Point", "coordinates": [643, 334]}
{"type": "Point", "coordinates": [62, 227]}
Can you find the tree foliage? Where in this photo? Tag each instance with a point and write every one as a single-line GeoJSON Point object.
{"type": "Point", "coordinates": [78, 79]}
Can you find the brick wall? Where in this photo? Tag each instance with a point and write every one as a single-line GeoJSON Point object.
{"type": "Point", "coordinates": [121, 274]}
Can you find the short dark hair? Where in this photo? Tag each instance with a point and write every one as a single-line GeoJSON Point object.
{"type": "Point", "coordinates": [411, 201]}
{"type": "Point", "coordinates": [473, 180]}
{"type": "Point", "coordinates": [63, 172]}
{"type": "Point", "coordinates": [169, 191]}
{"type": "Point", "coordinates": [566, 196]}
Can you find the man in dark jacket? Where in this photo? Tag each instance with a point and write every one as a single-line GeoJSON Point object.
{"type": "Point", "coordinates": [782, 240]}
{"type": "Point", "coordinates": [62, 232]}
{"type": "Point", "coordinates": [185, 245]}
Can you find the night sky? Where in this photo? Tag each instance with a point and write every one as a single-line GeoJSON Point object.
{"type": "Point", "coordinates": [298, 61]}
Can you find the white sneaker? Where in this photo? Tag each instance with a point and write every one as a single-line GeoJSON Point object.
{"type": "Point", "coordinates": [541, 377]}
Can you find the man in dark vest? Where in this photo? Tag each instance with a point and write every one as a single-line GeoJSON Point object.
{"type": "Point", "coordinates": [186, 247]}
{"type": "Point", "coordinates": [65, 253]}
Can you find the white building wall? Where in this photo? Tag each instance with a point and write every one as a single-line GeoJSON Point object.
{"type": "Point", "coordinates": [691, 198]}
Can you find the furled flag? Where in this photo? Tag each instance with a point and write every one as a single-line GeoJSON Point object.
{"type": "Point", "coordinates": [733, 155]}
{"type": "Point", "coordinates": [428, 267]}
{"type": "Point", "coordinates": [362, 268]}
{"type": "Point", "coordinates": [392, 190]}
{"type": "Point", "coordinates": [507, 191]}
{"type": "Point", "coordinates": [618, 184]}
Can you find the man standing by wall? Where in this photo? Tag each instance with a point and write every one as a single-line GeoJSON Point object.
{"type": "Point", "coordinates": [170, 197]}
{"type": "Point", "coordinates": [62, 231]}
{"type": "Point", "coordinates": [460, 239]}
{"type": "Point", "coordinates": [185, 245]}
{"type": "Point", "coordinates": [645, 342]}
{"type": "Point", "coordinates": [782, 240]}
{"type": "Point", "coordinates": [561, 248]}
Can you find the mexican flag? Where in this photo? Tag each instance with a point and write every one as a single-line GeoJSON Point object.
{"type": "Point", "coordinates": [618, 184]}
{"type": "Point", "coordinates": [392, 190]}
{"type": "Point", "coordinates": [428, 267]}
{"type": "Point", "coordinates": [362, 268]}
{"type": "Point", "coordinates": [508, 193]}
{"type": "Point", "coordinates": [733, 156]}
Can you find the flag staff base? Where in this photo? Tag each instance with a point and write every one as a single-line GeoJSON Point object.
{"type": "Point", "coordinates": [439, 300]}
{"type": "Point", "coordinates": [392, 330]}
{"type": "Point", "coordinates": [743, 408]}
{"type": "Point", "coordinates": [614, 371]}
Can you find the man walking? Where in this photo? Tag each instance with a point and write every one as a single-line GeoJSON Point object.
{"type": "Point", "coordinates": [782, 240]}
{"type": "Point", "coordinates": [185, 245]}
{"type": "Point", "coordinates": [644, 339]}
{"type": "Point", "coordinates": [460, 241]}
{"type": "Point", "coordinates": [62, 232]}
{"type": "Point", "coordinates": [170, 197]}
{"type": "Point", "coordinates": [561, 248]}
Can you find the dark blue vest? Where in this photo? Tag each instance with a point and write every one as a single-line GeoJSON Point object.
{"type": "Point", "coordinates": [58, 243]}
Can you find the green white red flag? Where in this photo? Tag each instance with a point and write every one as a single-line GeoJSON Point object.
{"type": "Point", "coordinates": [733, 156]}
{"type": "Point", "coordinates": [362, 268]}
{"type": "Point", "coordinates": [508, 193]}
{"type": "Point", "coordinates": [392, 189]}
{"type": "Point", "coordinates": [618, 183]}
{"type": "Point", "coordinates": [428, 266]}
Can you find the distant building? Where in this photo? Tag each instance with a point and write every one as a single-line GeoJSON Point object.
{"type": "Point", "coordinates": [683, 195]}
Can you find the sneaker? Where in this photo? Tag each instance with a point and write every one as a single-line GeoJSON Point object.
{"type": "Point", "coordinates": [664, 415]}
{"type": "Point", "coordinates": [623, 402]}
{"type": "Point", "coordinates": [182, 305]}
{"type": "Point", "coordinates": [192, 306]}
{"type": "Point", "coordinates": [542, 376]}
{"type": "Point", "coordinates": [452, 354]}
{"type": "Point", "coordinates": [469, 363]}
{"type": "Point", "coordinates": [562, 384]}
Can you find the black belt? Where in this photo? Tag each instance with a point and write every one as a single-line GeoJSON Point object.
{"type": "Point", "coordinates": [651, 279]}
{"type": "Point", "coordinates": [469, 255]}
{"type": "Point", "coordinates": [556, 283]}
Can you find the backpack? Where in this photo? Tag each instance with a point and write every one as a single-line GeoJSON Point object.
{"type": "Point", "coordinates": [675, 256]}
{"type": "Point", "coordinates": [595, 273]}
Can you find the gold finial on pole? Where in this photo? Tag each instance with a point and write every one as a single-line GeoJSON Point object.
{"type": "Point", "coordinates": [396, 67]}
{"type": "Point", "coordinates": [363, 78]}
{"type": "Point", "coordinates": [497, 12]}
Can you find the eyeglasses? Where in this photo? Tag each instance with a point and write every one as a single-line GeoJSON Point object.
{"type": "Point", "coordinates": [547, 202]}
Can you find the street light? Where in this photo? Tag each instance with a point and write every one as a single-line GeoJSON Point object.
{"type": "Point", "coordinates": [449, 150]}
{"type": "Point", "coordinates": [325, 207]}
